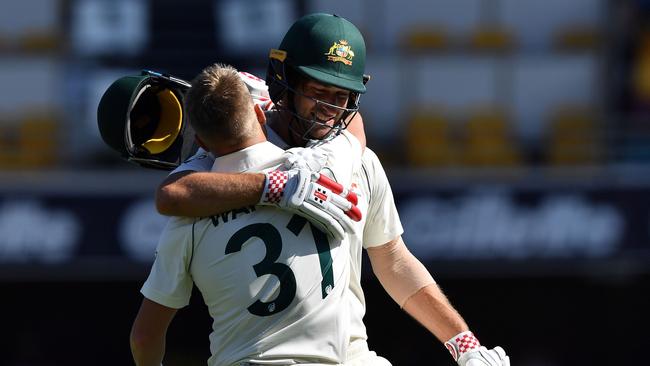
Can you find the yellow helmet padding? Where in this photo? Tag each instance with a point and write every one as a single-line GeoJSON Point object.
{"type": "Point", "coordinates": [169, 125]}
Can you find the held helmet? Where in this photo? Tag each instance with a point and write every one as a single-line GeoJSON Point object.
{"type": "Point", "coordinates": [141, 117]}
{"type": "Point", "coordinates": [323, 47]}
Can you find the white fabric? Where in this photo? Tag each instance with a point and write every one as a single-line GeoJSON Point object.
{"type": "Point", "coordinates": [258, 157]}
{"type": "Point", "coordinates": [380, 225]}
{"type": "Point", "coordinates": [201, 161]}
{"type": "Point", "coordinates": [238, 258]}
{"type": "Point", "coordinates": [360, 355]}
{"type": "Point", "coordinates": [383, 223]}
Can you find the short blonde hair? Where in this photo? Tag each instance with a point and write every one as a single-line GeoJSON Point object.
{"type": "Point", "coordinates": [219, 106]}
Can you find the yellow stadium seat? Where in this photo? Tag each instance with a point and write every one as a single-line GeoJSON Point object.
{"type": "Point", "coordinates": [492, 39]}
{"type": "Point", "coordinates": [38, 141]}
{"type": "Point", "coordinates": [488, 140]}
{"type": "Point", "coordinates": [577, 38]}
{"type": "Point", "coordinates": [40, 42]}
{"type": "Point", "coordinates": [641, 69]}
{"type": "Point", "coordinates": [422, 38]}
{"type": "Point", "coordinates": [429, 140]}
{"type": "Point", "coordinates": [574, 138]}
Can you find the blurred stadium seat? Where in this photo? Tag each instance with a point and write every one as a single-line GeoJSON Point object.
{"type": "Point", "coordinates": [575, 137]}
{"type": "Point", "coordinates": [641, 69]}
{"type": "Point", "coordinates": [41, 41]}
{"type": "Point", "coordinates": [33, 142]}
{"type": "Point", "coordinates": [429, 139]}
{"type": "Point", "coordinates": [423, 39]}
{"type": "Point", "coordinates": [578, 38]}
{"type": "Point", "coordinates": [492, 38]}
{"type": "Point", "coordinates": [38, 140]}
{"type": "Point", "coordinates": [489, 140]}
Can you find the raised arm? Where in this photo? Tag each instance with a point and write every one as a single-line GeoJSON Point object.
{"type": "Point", "coordinates": [201, 194]}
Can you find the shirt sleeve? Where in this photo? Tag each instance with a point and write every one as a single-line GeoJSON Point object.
{"type": "Point", "coordinates": [382, 223]}
{"type": "Point", "coordinates": [201, 161]}
{"type": "Point", "coordinates": [169, 282]}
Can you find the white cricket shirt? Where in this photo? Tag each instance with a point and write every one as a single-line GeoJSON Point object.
{"type": "Point", "coordinates": [274, 286]}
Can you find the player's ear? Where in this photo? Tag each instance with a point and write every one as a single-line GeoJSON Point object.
{"type": "Point", "coordinates": [259, 113]}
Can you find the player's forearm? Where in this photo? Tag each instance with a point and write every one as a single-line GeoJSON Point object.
{"type": "Point", "coordinates": [409, 283]}
{"type": "Point", "coordinates": [201, 194]}
{"type": "Point", "coordinates": [149, 331]}
{"type": "Point", "coordinates": [400, 273]}
{"type": "Point", "coordinates": [431, 308]}
{"type": "Point", "coordinates": [147, 351]}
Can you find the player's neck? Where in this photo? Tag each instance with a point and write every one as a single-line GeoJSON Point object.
{"type": "Point", "coordinates": [277, 121]}
{"type": "Point", "coordinates": [221, 148]}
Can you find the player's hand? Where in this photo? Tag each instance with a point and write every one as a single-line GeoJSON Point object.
{"type": "Point", "coordinates": [485, 357]}
{"type": "Point", "coordinates": [311, 159]}
{"type": "Point", "coordinates": [322, 201]}
{"type": "Point", "coordinates": [467, 351]}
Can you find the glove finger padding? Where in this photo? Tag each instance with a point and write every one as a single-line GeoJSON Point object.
{"type": "Point", "coordinates": [322, 199]}
{"type": "Point", "coordinates": [484, 357]}
{"type": "Point", "coordinates": [321, 219]}
{"type": "Point", "coordinates": [501, 353]}
{"type": "Point", "coordinates": [310, 159]}
{"type": "Point", "coordinates": [299, 191]}
{"type": "Point", "coordinates": [345, 199]}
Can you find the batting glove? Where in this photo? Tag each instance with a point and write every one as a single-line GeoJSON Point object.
{"type": "Point", "coordinates": [311, 159]}
{"type": "Point", "coordinates": [319, 199]}
{"type": "Point", "coordinates": [467, 351]}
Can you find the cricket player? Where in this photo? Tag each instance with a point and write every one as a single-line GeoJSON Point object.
{"type": "Point", "coordinates": [315, 79]}
{"type": "Point", "coordinates": [275, 285]}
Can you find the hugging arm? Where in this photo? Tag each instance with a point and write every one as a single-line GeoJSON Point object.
{"type": "Point", "coordinates": [202, 194]}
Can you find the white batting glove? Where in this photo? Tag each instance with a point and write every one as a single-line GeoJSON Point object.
{"type": "Point", "coordinates": [258, 89]}
{"type": "Point", "coordinates": [311, 159]}
{"type": "Point", "coordinates": [467, 351]}
{"type": "Point", "coordinates": [317, 198]}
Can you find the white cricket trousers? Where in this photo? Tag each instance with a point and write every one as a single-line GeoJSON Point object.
{"type": "Point", "coordinates": [359, 355]}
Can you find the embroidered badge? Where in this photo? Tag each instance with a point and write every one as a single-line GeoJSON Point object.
{"type": "Point", "coordinates": [340, 52]}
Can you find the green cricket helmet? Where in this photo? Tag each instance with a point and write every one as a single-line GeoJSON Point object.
{"type": "Point", "coordinates": [323, 47]}
{"type": "Point", "coordinates": [141, 117]}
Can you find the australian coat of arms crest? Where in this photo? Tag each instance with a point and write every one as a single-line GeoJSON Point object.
{"type": "Point", "coordinates": [340, 52]}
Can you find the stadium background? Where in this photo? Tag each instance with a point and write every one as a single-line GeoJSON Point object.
{"type": "Point", "coordinates": [515, 134]}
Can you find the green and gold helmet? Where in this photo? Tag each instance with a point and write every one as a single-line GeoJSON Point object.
{"type": "Point", "coordinates": [141, 117]}
{"type": "Point", "coordinates": [323, 47]}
